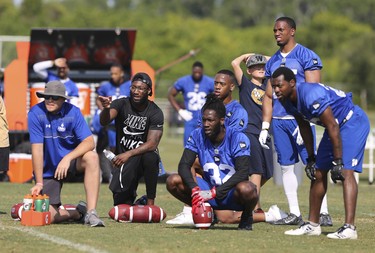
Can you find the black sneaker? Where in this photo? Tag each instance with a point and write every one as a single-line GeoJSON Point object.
{"type": "Point", "coordinates": [82, 209]}
{"type": "Point", "coordinates": [325, 220]}
{"type": "Point", "coordinates": [291, 219]}
{"type": "Point", "coordinates": [246, 223]}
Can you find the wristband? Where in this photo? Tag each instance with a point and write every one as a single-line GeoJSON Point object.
{"type": "Point", "coordinates": [39, 184]}
{"type": "Point", "coordinates": [337, 161]}
{"type": "Point", "coordinates": [265, 125]}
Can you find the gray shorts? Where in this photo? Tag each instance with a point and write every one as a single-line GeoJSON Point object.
{"type": "Point", "coordinates": [52, 187]}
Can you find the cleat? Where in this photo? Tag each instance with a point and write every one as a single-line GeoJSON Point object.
{"type": "Point", "coordinates": [93, 220]}
{"type": "Point", "coordinates": [246, 223]}
{"type": "Point", "coordinates": [291, 219]}
{"type": "Point", "coordinates": [182, 219]}
{"type": "Point", "coordinates": [82, 209]}
{"type": "Point", "coordinates": [325, 220]}
{"type": "Point", "coordinates": [345, 232]}
{"type": "Point", "coordinates": [276, 213]}
{"type": "Point", "coordinates": [305, 229]}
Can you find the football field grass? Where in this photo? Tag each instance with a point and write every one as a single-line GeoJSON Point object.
{"type": "Point", "coordinates": [159, 237]}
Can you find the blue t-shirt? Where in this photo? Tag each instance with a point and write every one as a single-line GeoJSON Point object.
{"type": "Point", "coordinates": [194, 93]}
{"type": "Point", "coordinates": [107, 89]}
{"type": "Point", "coordinates": [299, 60]}
{"type": "Point", "coordinates": [60, 133]}
{"type": "Point", "coordinates": [235, 117]}
{"type": "Point", "coordinates": [70, 86]}
{"type": "Point", "coordinates": [218, 162]}
{"type": "Point", "coordinates": [251, 98]}
{"type": "Point", "coordinates": [314, 98]}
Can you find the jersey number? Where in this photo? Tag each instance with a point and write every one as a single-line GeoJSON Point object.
{"type": "Point", "coordinates": [218, 174]}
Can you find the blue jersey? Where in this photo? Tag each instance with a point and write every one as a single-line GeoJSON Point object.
{"type": "Point", "coordinates": [236, 116]}
{"type": "Point", "coordinates": [251, 98]}
{"type": "Point", "coordinates": [194, 92]}
{"type": "Point", "coordinates": [314, 98]}
{"type": "Point", "coordinates": [70, 86]}
{"type": "Point", "coordinates": [60, 133]}
{"type": "Point", "coordinates": [299, 60]}
{"type": "Point", "coordinates": [107, 89]}
{"type": "Point", "coordinates": [218, 162]}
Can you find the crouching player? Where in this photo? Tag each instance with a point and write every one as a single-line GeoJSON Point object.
{"type": "Point", "coordinates": [225, 157]}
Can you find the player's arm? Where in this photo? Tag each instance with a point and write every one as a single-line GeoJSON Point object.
{"type": "Point", "coordinates": [267, 103]}
{"type": "Point", "coordinates": [107, 114]}
{"type": "Point", "coordinates": [307, 134]}
{"type": "Point", "coordinates": [333, 129]}
{"type": "Point", "coordinates": [312, 76]}
{"type": "Point", "coordinates": [37, 162]}
{"type": "Point", "coordinates": [172, 93]}
{"type": "Point", "coordinates": [242, 164]}
{"type": "Point", "coordinates": [236, 64]}
{"type": "Point", "coordinates": [40, 68]}
{"type": "Point", "coordinates": [184, 167]}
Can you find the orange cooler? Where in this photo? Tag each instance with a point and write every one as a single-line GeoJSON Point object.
{"type": "Point", "coordinates": [20, 168]}
{"type": "Point", "coordinates": [84, 92]}
{"type": "Point", "coordinates": [33, 97]}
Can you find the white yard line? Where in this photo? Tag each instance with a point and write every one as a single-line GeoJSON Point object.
{"type": "Point", "coordinates": [57, 240]}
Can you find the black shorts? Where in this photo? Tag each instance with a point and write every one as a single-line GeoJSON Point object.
{"type": "Point", "coordinates": [261, 159]}
{"type": "Point", "coordinates": [4, 159]}
{"type": "Point", "coordinates": [52, 187]}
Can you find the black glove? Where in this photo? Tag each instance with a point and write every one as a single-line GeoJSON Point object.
{"type": "Point", "coordinates": [336, 171]}
{"type": "Point", "coordinates": [310, 168]}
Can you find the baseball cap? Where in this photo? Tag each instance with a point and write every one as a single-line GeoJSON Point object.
{"type": "Point", "coordinates": [144, 78]}
{"type": "Point", "coordinates": [256, 59]}
{"type": "Point", "coordinates": [53, 88]}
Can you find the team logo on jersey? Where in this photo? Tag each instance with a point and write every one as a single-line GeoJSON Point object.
{"type": "Point", "coordinates": [229, 114]}
{"type": "Point", "coordinates": [217, 159]}
{"type": "Point", "coordinates": [242, 123]}
{"type": "Point", "coordinates": [61, 128]}
{"type": "Point", "coordinates": [315, 61]}
{"type": "Point", "coordinates": [257, 96]}
{"type": "Point", "coordinates": [316, 106]}
{"type": "Point", "coordinates": [242, 145]}
{"type": "Point", "coordinates": [48, 125]}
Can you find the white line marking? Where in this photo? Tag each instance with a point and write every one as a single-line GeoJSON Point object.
{"type": "Point", "coordinates": [57, 240]}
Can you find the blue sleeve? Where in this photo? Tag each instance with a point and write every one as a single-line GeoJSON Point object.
{"type": "Point", "coordinates": [240, 144]}
{"type": "Point", "coordinates": [81, 129]}
{"type": "Point", "coordinates": [179, 84]}
{"type": "Point", "coordinates": [311, 61]}
{"type": "Point", "coordinates": [35, 128]}
{"type": "Point", "coordinates": [194, 141]}
{"type": "Point", "coordinates": [316, 99]}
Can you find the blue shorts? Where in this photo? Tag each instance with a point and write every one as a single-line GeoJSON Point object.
{"type": "Point", "coordinates": [228, 203]}
{"type": "Point", "coordinates": [261, 159]}
{"type": "Point", "coordinates": [354, 136]}
{"type": "Point", "coordinates": [286, 146]}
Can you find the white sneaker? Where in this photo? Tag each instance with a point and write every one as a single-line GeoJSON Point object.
{"type": "Point", "coordinates": [345, 232]}
{"type": "Point", "coordinates": [275, 213]}
{"type": "Point", "coordinates": [305, 229]}
{"type": "Point", "coordinates": [182, 219]}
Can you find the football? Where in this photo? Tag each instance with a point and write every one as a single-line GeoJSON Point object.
{"type": "Point", "coordinates": [138, 213]}
{"type": "Point", "coordinates": [203, 216]}
{"type": "Point", "coordinates": [16, 211]}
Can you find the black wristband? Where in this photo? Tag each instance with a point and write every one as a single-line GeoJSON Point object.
{"type": "Point", "coordinates": [311, 158]}
{"type": "Point", "coordinates": [337, 161]}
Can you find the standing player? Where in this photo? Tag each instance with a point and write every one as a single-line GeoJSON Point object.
{"type": "Point", "coordinates": [251, 97]}
{"type": "Point", "coordinates": [217, 147]}
{"type": "Point", "coordinates": [62, 68]}
{"type": "Point", "coordinates": [4, 141]}
{"type": "Point", "coordinates": [139, 127]}
{"type": "Point", "coordinates": [343, 122]}
{"type": "Point", "coordinates": [194, 89]}
{"type": "Point", "coordinates": [306, 65]}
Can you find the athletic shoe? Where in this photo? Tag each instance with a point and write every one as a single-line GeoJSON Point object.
{"type": "Point", "coordinates": [291, 219]}
{"type": "Point", "coordinates": [305, 229]}
{"type": "Point", "coordinates": [276, 213]}
{"type": "Point", "coordinates": [345, 232]}
{"type": "Point", "coordinates": [246, 223]}
{"type": "Point", "coordinates": [93, 220]}
{"type": "Point", "coordinates": [182, 219]}
{"type": "Point", "coordinates": [325, 220]}
{"type": "Point", "coordinates": [82, 209]}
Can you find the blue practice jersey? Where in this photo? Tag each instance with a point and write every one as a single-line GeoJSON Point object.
{"type": "Point", "coordinates": [299, 60]}
{"type": "Point", "coordinates": [107, 89]}
{"type": "Point", "coordinates": [218, 162]}
{"type": "Point", "coordinates": [70, 86]}
{"type": "Point", "coordinates": [235, 117]}
{"type": "Point", "coordinates": [194, 93]}
{"type": "Point", "coordinates": [60, 133]}
{"type": "Point", "coordinates": [314, 98]}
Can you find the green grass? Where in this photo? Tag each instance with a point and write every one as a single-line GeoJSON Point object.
{"type": "Point", "coordinates": [132, 237]}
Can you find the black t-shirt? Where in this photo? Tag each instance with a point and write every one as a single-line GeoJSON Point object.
{"type": "Point", "coordinates": [251, 98]}
{"type": "Point", "coordinates": [132, 126]}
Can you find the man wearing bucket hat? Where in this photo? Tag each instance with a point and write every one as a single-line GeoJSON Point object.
{"type": "Point", "coordinates": [139, 127]}
{"type": "Point", "coordinates": [62, 71]}
{"type": "Point", "coordinates": [62, 143]}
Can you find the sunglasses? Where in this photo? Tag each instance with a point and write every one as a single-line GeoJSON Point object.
{"type": "Point", "coordinates": [54, 98]}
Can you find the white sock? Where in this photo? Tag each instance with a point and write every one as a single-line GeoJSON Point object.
{"type": "Point", "coordinates": [269, 217]}
{"type": "Point", "coordinates": [290, 184]}
{"type": "Point", "coordinates": [324, 206]}
{"type": "Point", "coordinates": [187, 209]}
